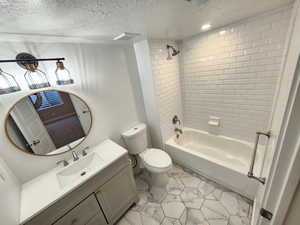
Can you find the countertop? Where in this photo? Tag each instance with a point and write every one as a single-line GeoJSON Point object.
{"type": "Point", "coordinates": [44, 190]}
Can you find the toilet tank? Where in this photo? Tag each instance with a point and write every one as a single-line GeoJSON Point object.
{"type": "Point", "coordinates": [136, 139]}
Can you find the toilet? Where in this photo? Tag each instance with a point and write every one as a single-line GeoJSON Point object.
{"type": "Point", "coordinates": [156, 161]}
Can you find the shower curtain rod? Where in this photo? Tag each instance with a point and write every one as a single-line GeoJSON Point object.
{"type": "Point", "coordinates": [31, 60]}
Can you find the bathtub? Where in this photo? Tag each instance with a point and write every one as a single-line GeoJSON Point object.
{"type": "Point", "coordinates": [219, 158]}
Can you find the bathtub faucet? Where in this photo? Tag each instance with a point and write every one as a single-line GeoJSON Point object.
{"type": "Point", "coordinates": [178, 130]}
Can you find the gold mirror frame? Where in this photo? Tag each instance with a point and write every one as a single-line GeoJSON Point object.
{"type": "Point", "coordinates": [19, 148]}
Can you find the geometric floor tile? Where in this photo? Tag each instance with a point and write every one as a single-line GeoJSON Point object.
{"type": "Point", "coordinates": [170, 221]}
{"type": "Point", "coordinates": [189, 200]}
{"type": "Point", "coordinates": [190, 181]}
{"type": "Point", "coordinates": [212, 215]}
{"type": "Point", "coordinates": [147, 220]}
{"type": "Point", "coordinates": [192, 198]}
{"type": "Point", "coordinates": [218, 222]}
{"type": "Point", "coordinates": [172, 198]}
{"type": "Point", "coordinates": [154, 210]}
{"type": "Point", "coordinates": [235, 220]}
{"type": "Point", "coordinates": [206, 188]}
{"type": "Point", "coordinates": [195, 216]}
{"type": "Point", "coordinates": [214, 210]}
{"type": "Point", "coordinates": [229, 200]}
{"type": "Point", "coordinates": [175, 186]}
{"type": "Point", "coordinates": [173, 209]}
{"type": "Point", "coordinates": [133, 218]}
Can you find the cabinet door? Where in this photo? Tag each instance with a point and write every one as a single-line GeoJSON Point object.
{"type": "Point", "coordinates": [97, 220]}
{"type": "Point", "coordinates": [82, 213]}
{"type": "Point", "coordinates": [117, 195]}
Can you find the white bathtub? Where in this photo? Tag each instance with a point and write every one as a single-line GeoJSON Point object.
{"type": "Point", "coordinates": [222, 159]}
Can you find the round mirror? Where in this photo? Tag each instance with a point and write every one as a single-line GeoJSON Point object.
{"type": "Point", "coordinates": [48, 122]}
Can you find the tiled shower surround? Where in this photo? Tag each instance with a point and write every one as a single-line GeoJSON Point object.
{"type": "Point", "coordinates": [190, 200]}
{"type": "Point", "coordinates": [233, 74]}
{"type": "Point", "coordinates": [167, 84]}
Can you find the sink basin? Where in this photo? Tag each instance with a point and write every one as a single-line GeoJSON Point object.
{"type": "Point", "coordinates": [79, 169]}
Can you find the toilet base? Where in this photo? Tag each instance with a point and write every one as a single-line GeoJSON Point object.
{"type": "Point", "coordinates": [158, 193]}
{"type": "Point", "coordinates": [157, 182]}
{"type": "Point", "coordinates": [160, 180]}
{"type": "Point", "coordinates": [158, 185]}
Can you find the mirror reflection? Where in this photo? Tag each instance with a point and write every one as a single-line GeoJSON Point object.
{"type": "Point", "coordinates": [48, 122]}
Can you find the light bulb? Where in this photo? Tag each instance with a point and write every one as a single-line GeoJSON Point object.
{"type": "Point", "coordinates": [35, 78]}
{"type": "Point", "coordinates": [8, 83]}
{"type": "Point", "coordinates": [63, 75]}
{"type": "Point", "coordinates": [4, 83]}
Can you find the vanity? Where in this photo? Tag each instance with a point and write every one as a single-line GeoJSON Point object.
{"type": "Point", "coordinates": [99, 197]}
{"type": "Point", "coordinates": [95, 187]}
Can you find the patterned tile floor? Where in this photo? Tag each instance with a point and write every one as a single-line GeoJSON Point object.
{"type": "Point", "coordinates": [190, 200]}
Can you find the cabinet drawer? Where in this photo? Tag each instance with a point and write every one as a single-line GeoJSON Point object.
{"type": "Point", "coordinates": [82, 213]}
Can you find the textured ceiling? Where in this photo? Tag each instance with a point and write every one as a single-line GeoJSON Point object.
{"type": "Point", "coordinates": [103, 19]}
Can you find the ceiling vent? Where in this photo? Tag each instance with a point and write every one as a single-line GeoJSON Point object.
{"type": "Point", "coordinates": [125, 36]}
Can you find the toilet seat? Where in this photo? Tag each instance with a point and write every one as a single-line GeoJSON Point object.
{"type": "Point", "coordinates": [156, 160]}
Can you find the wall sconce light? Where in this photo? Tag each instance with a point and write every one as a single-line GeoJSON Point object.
{"type": "Point", "coordinates": [35, 78]}
{"type": "Point", "coordinates": [8, 83]}
{"type": "Point", "coordinates": [63, 75]}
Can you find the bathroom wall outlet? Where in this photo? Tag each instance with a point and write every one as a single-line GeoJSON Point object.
{"type": "Point", "coordinates": [214, 121]}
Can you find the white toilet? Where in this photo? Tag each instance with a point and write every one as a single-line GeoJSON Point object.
{"type": "Point", "coordinates": [156, 161]}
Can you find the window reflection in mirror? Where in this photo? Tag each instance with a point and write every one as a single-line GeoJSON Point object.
{"type": "Point", "coordinates": [48, 122]}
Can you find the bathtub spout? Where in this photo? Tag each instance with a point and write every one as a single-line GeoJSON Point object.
{"type": "Point", "coordinates": [177, 130]}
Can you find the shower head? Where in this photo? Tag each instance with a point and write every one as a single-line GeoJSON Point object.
{"type": "Point", "coordinates": [173, 53]}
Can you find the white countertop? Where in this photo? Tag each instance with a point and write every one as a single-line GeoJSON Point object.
{"type": "Point", "coordinates": [44, 190]}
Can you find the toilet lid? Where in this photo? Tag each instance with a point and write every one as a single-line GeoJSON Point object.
{"type": "Point", "coordinates": [156, 158]}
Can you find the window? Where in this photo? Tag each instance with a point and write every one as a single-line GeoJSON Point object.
{"type": "Point", "coordinates": [46, 99]}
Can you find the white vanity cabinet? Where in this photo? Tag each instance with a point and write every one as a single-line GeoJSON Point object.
{"type": "Point", "coordinates": [101, 200]}
{"type": "Point", "coordinates": [116, 194]}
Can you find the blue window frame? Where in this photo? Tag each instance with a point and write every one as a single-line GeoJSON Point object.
{"type": "Point", "coordinates": [48, 99]}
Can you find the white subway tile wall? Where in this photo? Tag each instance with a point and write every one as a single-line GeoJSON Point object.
{"type": "Point", "coordinates": [167, 84]}
{"type": "Point", "coordinates": [231, 75]}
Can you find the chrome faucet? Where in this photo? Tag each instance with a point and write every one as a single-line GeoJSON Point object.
{"type": "Point", "coordinates": [65, 163]}
{"type": "Point", "coordinates": [176, 120]}
{"type": "Point", "coordinates": [178, 130]}
{"type": "Point", "coordinates": [75, 156]}
{"type": "Point", "coordinates": [84, 153]}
